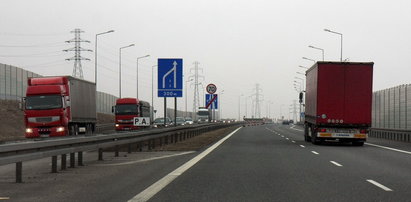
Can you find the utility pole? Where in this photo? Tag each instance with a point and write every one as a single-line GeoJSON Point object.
{"type": "Point", "coordinates": [77, 69]}
{"type": "Point", "coordinates": [257, 101]}
{"type": "Point", "coordinates": [196, 97]}
{"type": "Point", "coordinates": [295, 111]}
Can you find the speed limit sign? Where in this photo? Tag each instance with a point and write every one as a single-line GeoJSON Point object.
{"type": "Point", "coordinates": [211, 88]}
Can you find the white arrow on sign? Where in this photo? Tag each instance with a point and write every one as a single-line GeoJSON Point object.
{"type": "Point", "coordinates": [174, 69]}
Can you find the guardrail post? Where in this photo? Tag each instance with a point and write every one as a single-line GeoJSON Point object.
{"type": "Point", "coordinates": [166, 140]}
{"type": "Point", "coordinates": [19, 172]}
{"type": "Point", "coordinates": [161, 141]}
{"type": "Point", "coordinates": [100, 154]}
{"type": "Point", "coordinates": [129, 149]}
{"type": "Point", "coordinates": [80, 158]}
{"type": "Point", "coordinates": [116, 151]}
{"type": "Point", "coordinates": [54, 164]}
{"type": "Point", "coordinates": [154, 143]}
{"type": "Point", "coordinates": [63, 161]}
{"type": "Point", "coordinates": [72, 160]}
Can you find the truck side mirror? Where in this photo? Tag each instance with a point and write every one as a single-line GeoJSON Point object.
{"type": "Point", "coordinates": [301, 97]}
{"type": "Point", "coordinates": [112, 109]}
{"type": "Point", "coordinates": [22, 103]}
{"type": "Point", "coordinates": [68, 103]}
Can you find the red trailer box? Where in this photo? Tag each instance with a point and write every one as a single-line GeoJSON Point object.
{"type": "Point", "coordinates": [338, 101]}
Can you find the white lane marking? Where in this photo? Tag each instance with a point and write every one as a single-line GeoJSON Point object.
{"type": "Point", "coordinates": [314, 152]}
{"type": "Point", "coordinates": [293, 141]}
{"type": "Point", "coordinates": [282, 135]}
{"type": "Point", "coordinates": [4, 198]}
{"type": "Point", "coordinates": [292, 127]}
{"type": "Point", "coordinates": [145, 160]}
{"type": "Point", "coordinates": [302, 146]}
{"type": "Point", "coordinates": [389, 148]}
{"type": "Point", "coordinates": [287, 138]}
{"type": "Point", "coordinates": [159, 185]}
{"type": "Point", "coordinates": [335, 163]}
{"type": "Point", "coordinates": [379, 185]}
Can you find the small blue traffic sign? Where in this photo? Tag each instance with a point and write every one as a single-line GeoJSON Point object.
{"type": "Point", "coordinates": [211, 101]}
{"type": "Point", "coordinates": [170, 77]}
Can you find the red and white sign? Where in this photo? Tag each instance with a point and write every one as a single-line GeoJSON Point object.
{"type": "Point", "coordinates": [211, 88]}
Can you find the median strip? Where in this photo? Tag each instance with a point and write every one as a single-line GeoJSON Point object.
{"type": "Point", "coordinates": [379, 185]}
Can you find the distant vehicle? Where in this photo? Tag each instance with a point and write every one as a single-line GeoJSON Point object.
{"type": "Point", "coordinates": [159, 122]}
{"type": "Point", "coordinates": [59, 106]}
{"type": "Point", "coordinates": [338, 102]}
{"type": "Point", "coordinates": [286, 122]}
{"type": "Point", "coordinates": [126, 109]}
{"type": "Point", "coordinates": [180, 121]}
{"type": "Point", "coordinates": [189, 120]}
{"type": "Point", "coordinates": [203, 115]}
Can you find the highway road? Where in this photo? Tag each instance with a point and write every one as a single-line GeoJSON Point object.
{"type": "Point", "coordinates": [259, 163]}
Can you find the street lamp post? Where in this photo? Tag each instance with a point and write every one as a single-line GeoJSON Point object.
{"type": "Point", "coordinates": [239, 102]}
{"type": "Point", "coordinates": [221, 108]}
{"type": "Point", "coordinates": [309, 59]}
{"type": "Point", "coordinates": [322, 50]}
{"type": "Point", "coordinates": [137, 72]}
{"type": "Point", "coordinates": [120, 67]}
{"type": "Point", "coordinates": [95, 56]}
{"type": "Point", "coordinates": [152, 90]}
{"type": "Point", "coordinates": [341, 35]}
{"type": "Point", "coordinates": [186, 95]}
{"type": "Point", "coordinates": [303, 67]}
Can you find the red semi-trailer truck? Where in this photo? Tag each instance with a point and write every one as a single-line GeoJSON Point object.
{"type": "Point", "coordinates": [59, 106]}
{"type": "Point", "coordinates": [128, 108]}
{"type": "Point", "coordinates": [338, 102]}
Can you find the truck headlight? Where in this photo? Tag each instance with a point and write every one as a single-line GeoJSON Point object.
{"type": "Point", "coordinates": [60, 129]}
{"type": "Point", "coordinates": [117, 125]}
{"type": "Point", "coordinates": [29, 130]}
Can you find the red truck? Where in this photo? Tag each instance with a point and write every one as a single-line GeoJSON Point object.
{"type": "Point", "coordinates": [59, 106]}
{"type": "Point", "coordinates": [338, 102]}
{"type": "Point", "coordinates": [128, 108]}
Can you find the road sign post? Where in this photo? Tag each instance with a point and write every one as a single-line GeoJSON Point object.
{"type": "Point", "coordinates": [170, 81]}
{"type": "Point", "coordinates": [211, 101]}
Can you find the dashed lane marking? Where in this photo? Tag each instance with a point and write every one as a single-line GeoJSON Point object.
{"type": "Point", "coordinates": [293, 141]}
{"type": "Point", "coordinates": [335, 163]}
{"type": "Point", "coordinates": [314, 152]}
{"type": "Point", "coordinates": [302, 146]}
{"type": "Point", "coordinates": [292, 127]}
{"type": "Point", "coordinates": [379, 185]}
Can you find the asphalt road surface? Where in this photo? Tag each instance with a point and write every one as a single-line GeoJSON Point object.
{"type": "Point", "coordinates": [259, 163]}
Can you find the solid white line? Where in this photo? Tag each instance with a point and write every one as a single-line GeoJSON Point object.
{"type": "Point", "coordinates": [302, 146]}
{"type": "Point", "coordinates": [159, 185]}
{"type": "Point", "coordinates": [292, 127]}
{"type": "Point", "coordinates": [145, 160]}
{"type": "Point", "coordinates": [389, 148]}
{"type": "Point", "coordinates": [293, 141]}
{"type": "Point", "coordinates": [379, 185]}
{"type": "Point", "coordinates": [335, 163]}
{"type": "Point", "coordinates": [4, 198]}
{"type": "Point", "coordinates": [314, 152]}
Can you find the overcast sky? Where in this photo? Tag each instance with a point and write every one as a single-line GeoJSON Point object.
{"type": "Point", "coordinates": [237, 43]}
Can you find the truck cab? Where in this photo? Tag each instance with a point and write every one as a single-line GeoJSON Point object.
{"type": "Point", "coordinates": [126, 109]}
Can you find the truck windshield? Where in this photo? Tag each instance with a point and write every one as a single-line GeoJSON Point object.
{"type": "Point", "coordinates": [44, 102]}
{"type": "Point", "coordinates": [126, 109]}
{"type": "Point", "coordinates": [203, 113]}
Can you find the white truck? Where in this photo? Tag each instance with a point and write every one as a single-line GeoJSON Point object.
{"type": "Point", "coordinates": [203, 115]}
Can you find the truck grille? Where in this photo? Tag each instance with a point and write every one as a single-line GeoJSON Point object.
{"type": "Point", "coordinates": [46, 119]}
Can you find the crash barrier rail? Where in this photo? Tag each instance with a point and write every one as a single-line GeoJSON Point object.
{"type": "Point", "coordinates": [25, 151]}
{"type": "Point", "coordinates": [104, 127]}
{"type": "Point", "coordinates": [391, 134]}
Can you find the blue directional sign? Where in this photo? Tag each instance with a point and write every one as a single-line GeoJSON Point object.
{"type": "Point", "coordinates": [170, 77]}
{"type": "Point", "coordinates": [211, 101]}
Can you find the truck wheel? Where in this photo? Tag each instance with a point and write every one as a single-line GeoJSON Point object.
{"type": "Point", "coordinates": [314, 138]}
{"type": "Point", "coordinates": [358, 143]}
{"type": "Point", "coordinates": [306, 137]}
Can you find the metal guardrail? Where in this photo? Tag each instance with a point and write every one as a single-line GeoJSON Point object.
{"type": "Point", "coordinates": [391, 134]}
{"type": "Point", "coordinates": [25, 151]}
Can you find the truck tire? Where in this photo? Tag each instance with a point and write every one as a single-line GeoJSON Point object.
{"type": "Point", "coordinates": [314, 138]}
{"type": "Point", "coordinates": [358, 143]}
{"type": "Point", "coordinates": [306, 137]}
{"type": "Point", "coordinates": [73, 130]}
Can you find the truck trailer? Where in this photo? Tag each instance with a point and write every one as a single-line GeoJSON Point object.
{"type": "Point", "coordinates": [128, 108]}
{"type": "Point", "coordinates": [59, 106]}
{"type": "Point", "coordinates": [338, 102]}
